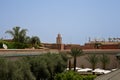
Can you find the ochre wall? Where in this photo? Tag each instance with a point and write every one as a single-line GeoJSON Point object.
{"type": "Point", "coordinates": [85, 46]}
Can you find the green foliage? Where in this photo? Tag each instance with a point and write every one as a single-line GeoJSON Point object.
{"type": "Point", "coordinates": [47, 65]}
{"type": "Point", "coordinates": [70, 75]}
{"type": "Point", "coordinates": [15, 70]}
{"type": "Point", "coordinates": [34, 41]}
{"type": "Point", "coordinates": [93, 59]}
{"type": "Point", "coordinates": [21, 40]}
{"type": "Point", "coordinates": [14, 45]}
{"type": "Point", "coordinates": [19, 35]}
{"type": "Point", "coordinates": [75, 52]}
{"type": "Point", "coordinates": [33, 68]}
{"type": "Point", "coordinates": [64, 56]}
{"type": "Point", "coordinates": [17, 45]}
{"type": "Point", "coordinates": [24, 71]}
{"type": "Point", "coordinates": [104, 60]}
{"type": "Point", "coordinates": [89, 77]}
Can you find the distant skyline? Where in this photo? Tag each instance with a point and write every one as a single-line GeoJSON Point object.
{"type": "Point", "coordinates": [75, 20]}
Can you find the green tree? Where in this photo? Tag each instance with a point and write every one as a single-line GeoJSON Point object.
{"type": "Point", "coordinates": [24, 70]}
{"type": "Point", "coordinates": [15, 70]}
{"type": "Point", "coordinates": [93, 60]}
{"type": "Point", "coordinates": [47, 65]}
{"type": "Point", "coordinates": [3, 69]}
{"type": "Point", "coordinates": [35, 41]}
{"type": "Point", "coordinates": [75, 52]}
{"type": "Point", "coordinates": [104, 60]}
{"type": "Point", "coordinates": [19, 35]}
{"type": "Point", "coordinates": [39, 68]}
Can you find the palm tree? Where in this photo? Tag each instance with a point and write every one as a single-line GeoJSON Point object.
{"type": "Point", "coordinates": [75, 52]}
{"type": "Point", "coordinates": [69, 61]}
{"type": "Point", "coordinates": [35, 41]}
{"type": "Point", "coordinates": [93, 60]}
{"type": "Point", "coordinates": [18, 34]}
{"type": "Point", "coordinates": [105, 60]}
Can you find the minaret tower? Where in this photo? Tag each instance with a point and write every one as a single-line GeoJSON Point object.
{"type": "Point", "coordinates": [59, 39]}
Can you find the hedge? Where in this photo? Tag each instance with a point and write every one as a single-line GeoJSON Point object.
{"type": "Point", "coordinates": [71, 75]}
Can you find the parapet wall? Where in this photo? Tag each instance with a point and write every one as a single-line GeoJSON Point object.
{"type": "Point", "coordinates": [25, 52]}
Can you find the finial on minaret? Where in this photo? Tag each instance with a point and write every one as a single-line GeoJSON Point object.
{"type": "Point", "coordinates": [59, 39]}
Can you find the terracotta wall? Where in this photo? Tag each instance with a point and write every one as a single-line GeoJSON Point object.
{"type": "Point", "coordinates": [86, 46]}
{"type": "Point", "coordinates": [113, 46]}
{"type": "Point", "coordinates": [69, 46]}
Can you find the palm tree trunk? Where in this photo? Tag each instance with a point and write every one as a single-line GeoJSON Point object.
{"type": "Point", "coordinates": [93, 69]}
{"type": "Point", "coordinates": [69, 64]}
{"type": "Point", "coordinates": [74, 63]}
{"type": "Point", "coordinates": [104, 66]}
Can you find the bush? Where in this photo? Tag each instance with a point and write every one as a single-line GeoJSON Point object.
{"type": "Point", "coordinates": [13, 45]}
{"type": "Point", "coordinates": [71, 75]}
{"type": "Point", "coordinates": [17, 45]}
{"type": "Point", "coordinates": [46, 66]}
{"type": "Point", "coordinates": [89, 77]}
{"type": "Point", "coordinates": [15, 70]}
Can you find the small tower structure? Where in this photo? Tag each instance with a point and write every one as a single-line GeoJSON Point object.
{"type": "Point", "coordinates": [60, 46]}
{"type": "Point", "coordinates": [59, 39]}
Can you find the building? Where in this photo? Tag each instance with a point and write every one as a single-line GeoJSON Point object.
{"type": "Point", "coordinates": [110, 48]}
{"type": "Point", "coordinates": [95, 44]}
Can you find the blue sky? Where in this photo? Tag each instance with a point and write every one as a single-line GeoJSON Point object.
{"type": "Point", "coordinates": [75, 20]}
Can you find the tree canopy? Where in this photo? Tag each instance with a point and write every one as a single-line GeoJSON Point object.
{"type": "Point", "coordinates": [47, 65]}
{"type": "Point", "coordinates": [93, 59]}
{"type": "Point", "coordinates": [33, 67]}
{"type": "Point", "coordinates": [21, 40]}
{"type": "Point", "coordinates": [18, 34]}
{"type": "Point", "coordinates": [104, 60]}
{"type": "Point", "coordinates": [15, 70]}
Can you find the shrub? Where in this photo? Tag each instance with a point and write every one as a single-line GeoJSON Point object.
{"type": "Point", "coordinates": [17, 45]}
{"type": "Point", "coordinates": [89, 77]}
{"type": "Point", "coordinates": [15, 70]}
{"type": "Point", "coordinates": [70, 75]}
{"type": "Point", "coordinates": [47, 65]}
{"type": "Point", "coordinates": [14, 45]}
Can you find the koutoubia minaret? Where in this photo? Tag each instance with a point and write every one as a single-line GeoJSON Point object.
{"type": "Point", "coordinates": [59, 39]}
{"type": "Point", "coordinates": [59, 42]}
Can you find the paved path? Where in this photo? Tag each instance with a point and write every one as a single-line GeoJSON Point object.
{"type": "Point", "coordinates": [115, 75]}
